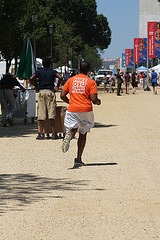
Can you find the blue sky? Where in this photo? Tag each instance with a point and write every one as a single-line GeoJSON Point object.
{"type": "Point", "coordinates": [123, 18]}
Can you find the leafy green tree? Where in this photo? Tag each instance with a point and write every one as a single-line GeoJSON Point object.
{"type": "Point", "coordinates": [10, 40]}
{"type": "Point", "coordinates": [76, 25]}
{"type": "Point", "coordinates": [92, 55]}
{"type": "Point", "coordinates": [93, 28]}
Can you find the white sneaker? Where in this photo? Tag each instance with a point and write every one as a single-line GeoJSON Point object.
{"type": "Point", "coordinates": [66, 142]}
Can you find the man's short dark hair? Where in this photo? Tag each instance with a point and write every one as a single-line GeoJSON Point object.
{"type": "Point", "coordinates": [46, 62]}
{"type": "Point", "coordinates": [84, 67]}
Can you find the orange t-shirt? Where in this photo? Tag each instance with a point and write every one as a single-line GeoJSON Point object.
{"type": "Point", "coordinates": [80, 87]}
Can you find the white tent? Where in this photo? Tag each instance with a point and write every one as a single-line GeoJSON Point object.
{"type": "Point", "coordinates": [62, 69]}
{"type": "Point", "coordinates": [156, 68]}
{"type": "Point", "coordinates": [141, 69]}
{"type": "Point", "coordinates": [2, 68]}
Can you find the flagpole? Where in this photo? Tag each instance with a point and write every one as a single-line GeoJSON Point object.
{"type": "Point", "coordinates": [147, 88]}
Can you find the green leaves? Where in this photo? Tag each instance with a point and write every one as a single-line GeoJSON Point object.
{"type": "Point", "coordinates": [76, 25]}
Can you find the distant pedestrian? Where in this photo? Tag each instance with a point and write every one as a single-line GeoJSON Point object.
{"type": "Point", "coordinates": [91, 75]}
{"type": "Point", "coordinates": [105, 81]}
{"type": "Point", "coordinates": [79, 116]}
{"type": "Point", "coordinates": [111, 82]}
{"type": "Point", "coordinates": [141, 79]}
{"type": "Point", "coordinates": [119, 82]}
{"type": "Point", "coordinates": [121, 74]}
{"type": "Point", "coordinates": [7, 99]}
{"type": "Point", "coordinates": [154, 78]}
{"type": "Point", "coordinates": [134, 82]}
{"type": "Point", "coordinates": [127, 81]}
{"type": "Point", "coordinates": [144, 80]}
{"type": "Point", "coordinates": [66, 76]}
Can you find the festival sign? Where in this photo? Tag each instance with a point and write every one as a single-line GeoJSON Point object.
{"type": "Point", "coordinates": [140, 50]}
{"type": "Point", "coordinates": [153, 39]}
{"type": "Point", "coordinates": [123, 60]}
{"type": "Point", "coordinates": [136, 50]}
{"type": "Point", "coordinates": [129, 57]}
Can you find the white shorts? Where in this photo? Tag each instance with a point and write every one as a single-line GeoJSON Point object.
{"type": "Point", "coordinates": [141, 80]}
{"type": "Point", "coordinates": [84, 121]}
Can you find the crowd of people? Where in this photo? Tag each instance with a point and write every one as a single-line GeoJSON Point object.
{"type": "Point", "coordinates": [125, 80]}
{"type": "Point", "coordinates": [121, 82]}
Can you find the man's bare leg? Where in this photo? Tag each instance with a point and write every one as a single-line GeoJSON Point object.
{"type": "Point", "coordinates": [41, 130]}
{"type": "Point", "coordinates": [54, 134]}
{"type": "Point", "coordinates": [81, 144]}
{"type": "Point", "coordinates": [41, 126]}
{"type": "Point", "coordinates": [52, 123]}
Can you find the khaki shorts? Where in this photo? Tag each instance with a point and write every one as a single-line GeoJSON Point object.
{"type": "Point", "coordinates": [46, 104]}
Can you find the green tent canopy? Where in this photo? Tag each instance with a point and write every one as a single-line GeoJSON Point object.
{"type": "Point", "coordinates": [27, 61]}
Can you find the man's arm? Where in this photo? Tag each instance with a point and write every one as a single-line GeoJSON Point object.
{"type": "Point", "coordinates": [59, 81]}
{"type": "Point", "coordinates": [94, 98]}
{"type": "Point", "coordinates": [64, 97]}
{"type": "Point", "coordinates": [150, 77]}
{"type": "Point", "coordinates": [32, 80]}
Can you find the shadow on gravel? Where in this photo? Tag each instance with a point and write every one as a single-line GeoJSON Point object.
{"type": "Point", "coordinates": [100, 164]}
{"type": "Point", "coordinates": [100, 125]}
{"type": "Point", "coordinates": [94, 164]}
{"type": "Point", "coordinates": [19, 190]}
{"type": "Point", "coordinates": [19, 129]}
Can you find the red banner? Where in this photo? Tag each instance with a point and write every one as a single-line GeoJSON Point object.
{"type": "Point", "coordinates": [127, 57]}
{"type": "Point", "coordinates": [151, 39]}
{"type": "Point", "coordinates": [136, 50]}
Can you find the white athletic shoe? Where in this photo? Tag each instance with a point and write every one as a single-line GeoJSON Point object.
{"type": "Point", "coordinates": [66, 142]}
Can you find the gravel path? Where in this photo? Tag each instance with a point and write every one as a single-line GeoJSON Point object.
{"type": "Point", "coordinates": [115, 196]}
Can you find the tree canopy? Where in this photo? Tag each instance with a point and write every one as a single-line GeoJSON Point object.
{"type": "Point", "coordinates": [76, 28]}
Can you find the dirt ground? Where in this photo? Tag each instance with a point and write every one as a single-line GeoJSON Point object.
{"type": "Point", "coordinates": [116, 195]}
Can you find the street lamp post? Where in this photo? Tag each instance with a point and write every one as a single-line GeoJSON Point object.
{"type": "Point", "coordinates": [34, 19]}
{"type": "Point", "coordinates": [51, 33]}
{"type": "Point", "coordinates": [121, 59]}
{"type": "Point", "coordinates": [79, 60]}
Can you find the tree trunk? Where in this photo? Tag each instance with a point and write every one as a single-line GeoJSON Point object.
{"type": "Point", "coordinates": [8, 64]}
{"type": "Point", "coordinates": [16, 65]}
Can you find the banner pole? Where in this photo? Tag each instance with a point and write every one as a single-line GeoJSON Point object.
{"type": "Point", "coordinates": [147, 88]}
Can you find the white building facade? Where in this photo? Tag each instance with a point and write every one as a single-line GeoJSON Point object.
{"type": "Point", "coordinates": [149, 11]}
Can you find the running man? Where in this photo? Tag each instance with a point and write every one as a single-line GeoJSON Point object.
{"type": "Point", "coordinates": [79, 115]}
